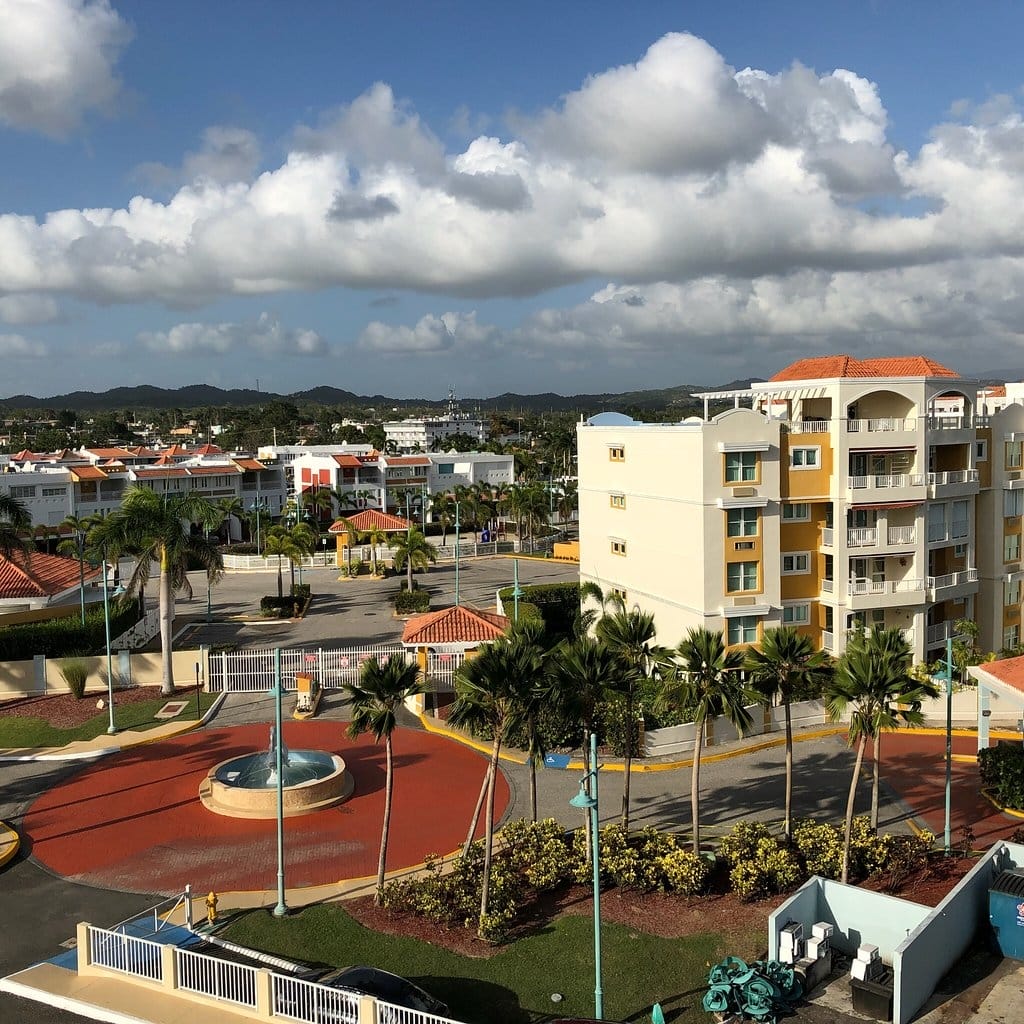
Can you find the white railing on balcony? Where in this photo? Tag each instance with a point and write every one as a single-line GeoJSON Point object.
{"type": "Point", "coordinates": [943, 631]}
{"type": "Point", "coordinates": [807, 426]}
{"type": "Point", "coordinates": [862, 537]}
{"type": "Point", "coordinates": [828, 641]}
{"type": "Point", "coordinates": [862, 587]}
{"type": "Point", "coordinates": [957, 476]}
{"type": "Point", "coordinates": [884, 480]}
{"type": "Point", "coordinates": [885, 424]}
{"type": "Point", "coordinates": [953, 579]}
{"type": "Point", "coordinates": [949, 422]}
{"type": "Point", "coordinates": [295, 999]}
{"type": "Point", "coordinates": [828, 586]}
{"type": "Point", "coordinates": [218, 979]}
{"type": "Point", "coordinates": [902, 534]}
{"type": "Point", "coordinates": [826, 536]}
{"type": "Point", "coordinates": [126, 953]}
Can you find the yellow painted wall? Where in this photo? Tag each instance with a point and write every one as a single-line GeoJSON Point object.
{"type": "Point", "coordinates": [569, 550]}
{"type": "Point", "coordinates": [797, 484]}
{"type": "Point", "coordinates": [39, 615]}
{"type": "Point", "coordinates": [985, 468]}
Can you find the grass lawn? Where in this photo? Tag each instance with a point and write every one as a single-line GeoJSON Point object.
{"type": "Point", "coordinates": [515, 985]}
{"type": "Point", "coordinates": [35, 732]}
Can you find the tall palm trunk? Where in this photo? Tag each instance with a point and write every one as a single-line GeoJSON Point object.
{"type": "Point", "coordinates": [389, 780]}
{"type": "Point", "coordinates": [533, 789]}
{"type": "Point", "coordinates": [851, 799]}
{"type": "Point", "coordinates": [485, 888]}
{"type": "Point", "coordinates": [280, 584]}
{"type": "Point", "coordinates": [789, 772]}
{"type": "Point", "coordinates": [166, 624]}
{"type": "Point", "coordinates": [629, 760]}
{"type": "Point", "coordinates": [475, 820]}
{"type": "Point", "coordinates": [695, 787]}
{"type": "Point", "coordinates": [874, 780]}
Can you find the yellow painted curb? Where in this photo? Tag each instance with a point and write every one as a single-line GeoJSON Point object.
{"type": "Point", "coordinates": [965, 758]}
{"type": "Point", "coordinates": [998, 734]}
{"type": "Point", "coordinates": [440, 730]}
{"type": "Point", "coordinates": [987, 794]}
{"type": "Point", "coordinates": [10, 843]}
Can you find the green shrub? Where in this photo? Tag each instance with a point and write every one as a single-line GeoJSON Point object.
{"type": "Point", "coordinates": [526, 612]}
{"type": "Point", "coordinates": [407, 601]}
{"type": "Point", "coordinates": [75, 673]}
{"type": "Point", "coordinates": [271, 604]}
{"type": "Point", "coordinates": [615, 730]}
{"type": "Point", "coordinates": [301, 592]}
{"type": "Point", "coordinates": [685, 872]}
{"type": "Point", "coordinates": [743, 841]}
{"type": "Point", "coordinates": [1002, 770]}
{"type": "Point", "coordinates": [538, 851]}
{"type": "Point", "coordinates": [66, 637]}
{"type": "Point", "coordinates": [821, 846]}
{"type": "Point", "coordinates": [773, 868]}
{"type": "Point", "coordinates": [558, 605]}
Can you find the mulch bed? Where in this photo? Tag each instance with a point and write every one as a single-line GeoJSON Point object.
{"type": "Point", "coordinates": [931, 884]}
{"type": "Point", "coordinates": [63, 711]}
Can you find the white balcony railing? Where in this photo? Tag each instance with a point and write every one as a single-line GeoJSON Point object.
{"type": "Point", "coordinates": [807, 426]}
{"type": "Point", "coordinates": [828, 586]}
{"type": "Point", "coordinates": [952, 579]}
{"type": "Point", "coordinates": [902, 534]}
{"type": "Point", "coordinates": [885, 424]}
{"type": "Point", "coordinates": [884, 480]}
{"type": "Point", "coordinates": [950, 422]}
{"type": "Point", "coordinates": [828, 641]}
{"type": "Point", "coordinates": [863, 587]}
{"type": "Point", "coordinates": [862, 537]}
{"type": "Point", "coordinates": [827, 536]}
{"type": "Point", "coordinates": [957, 476]}
{"type": "Point", "coordinates": [942, 631]}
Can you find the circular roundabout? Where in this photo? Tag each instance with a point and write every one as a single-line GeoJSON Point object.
{"type": "Point", "coordinates": [134, 821]}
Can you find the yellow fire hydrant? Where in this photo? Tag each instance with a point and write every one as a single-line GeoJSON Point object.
{"type": "Point", "coordinates": [211, 908]}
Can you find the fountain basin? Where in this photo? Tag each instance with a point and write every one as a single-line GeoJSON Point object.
{"type": "Point", "coordinates": [246, 786]}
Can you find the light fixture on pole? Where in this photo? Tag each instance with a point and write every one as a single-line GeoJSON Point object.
{"type": "Point", "coordinates": [586, 800]}
{"type": "Point", "coordinates": [517, 591]}
{"type": "Point", "coordinates": [209, 595]}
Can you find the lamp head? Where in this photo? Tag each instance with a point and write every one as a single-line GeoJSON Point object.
{"type": "Point", "coordinates": [583, 801]}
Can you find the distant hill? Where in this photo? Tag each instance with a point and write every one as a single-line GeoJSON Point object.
{"type": "Point", "coordinates": [146, 396]}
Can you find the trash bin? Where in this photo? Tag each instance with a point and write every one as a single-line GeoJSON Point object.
{"type": "Point", "coordinates": [1006, 912]}
{"type": "Point", "coordinates": [874, 998]}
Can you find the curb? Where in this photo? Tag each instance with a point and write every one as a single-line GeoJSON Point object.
{"type": "Point", "coordinates": [987, 794]}
{"type": "Point", "coordinates": [77, 1006]}
{"type": "Point", "coordinates": [10, 843]}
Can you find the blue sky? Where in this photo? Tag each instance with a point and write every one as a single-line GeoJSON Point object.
{"type": "Point", "coordinates": [575, 197]}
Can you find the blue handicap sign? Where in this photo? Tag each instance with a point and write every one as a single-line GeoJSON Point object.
{"type": "Point", "coordinates": [556, 761]}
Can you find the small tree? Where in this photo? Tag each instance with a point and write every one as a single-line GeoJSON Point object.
{"type": "Point", "coordinates": [411, 550]}
{"type": "Point", "coordinates": [375, 537]}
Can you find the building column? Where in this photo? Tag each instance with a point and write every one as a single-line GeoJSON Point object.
{"type": "Point", "coordinates": [983, 715]}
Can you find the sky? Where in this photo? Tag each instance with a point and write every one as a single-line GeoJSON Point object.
{"type": "Point", "coordinates": [408, 197]}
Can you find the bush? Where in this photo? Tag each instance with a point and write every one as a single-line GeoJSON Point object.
{"type": "Point", "coordinates": [538, 851]}
{"type": "Point", "coordinates": [614, 729]}
{"type": "Point", "coordinates": [558, 605]}
{"type": "Point", "coordinates": [75, 673]}
{"type": "Point", "coordinates": [301, 592]}
{"type": "Point", "coordinates": [685, 872]}
{"type": "Point", "coordinates": [821, 846]}
{"type": "Point", "coordinates": [526, 613]}
{"type": "Point", "coordinates": [773, 868]}
{"type": "Point", "coordinates": [1002, 770]}
{"type": "Point", "coordinates": [271, 604]}
{"type": "Point", "coordinates": [66, 637]}
{"type": "Point", "coordinates": [244, 548]}
{"type": "Point", "coordinates": [743, 841]}
{"type": "Point", "coordinates": [408, 601]}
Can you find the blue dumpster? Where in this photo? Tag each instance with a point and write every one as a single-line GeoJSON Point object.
{"type": "Point", "coordinates": [1006, 912]}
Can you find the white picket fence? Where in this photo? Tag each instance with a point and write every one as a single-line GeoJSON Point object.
{"type": "Point", "coordinates": [252, 670]}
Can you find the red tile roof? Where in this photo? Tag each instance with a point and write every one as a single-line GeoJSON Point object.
{"type": "Point", "coordinates": [832, 367]}
{"type": "Point", "coordinates": [226, 467]}
{"type": "Point", "coordinates": [406, 460]}
{"type": "Point", "coordinates": [1009, 671]}
{"type": "Point", "coordinates": [208, 449]}
{"type": "Point", "coordinates": [87, 473]}
{"type": "Point", "coordinates": [993, 391]}
{"type": "Point", "coordinates": [110, 453]}
{"type": "Point", "coordinates": [40, 576]}
{"type": "Point", "coordinates": [371, 519]}
{"type": "Point", "coordinates": [348, 461]}
{"type": "Point", "coordinates": [25, 456]}
{"type": "Point", "coordinates": [457, 625]}
{"type": "Point", "coordinates": [248, 464]}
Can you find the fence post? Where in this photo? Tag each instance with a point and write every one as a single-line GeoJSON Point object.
{"type": "Point", "coordinates": [321, 668]}
{"type": "Point", "coordinates": [39, 673]}
{"type": "Point", "coordinates": [169, 966]}
{"type": "Point", "coordinates": [367, 1010]}
{"type": "Point", "coordinates": [82, 947]}
{"type": "Point", "coordinates": [188, 906]}
{"type": "Point", "coordinates": [263, 994]}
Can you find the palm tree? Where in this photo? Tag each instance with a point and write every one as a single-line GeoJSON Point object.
{"type": "Point", "coordinates": [412, 550]}
{"type": "Point", "coordinates": [491, 689]}
{"type": "Point", "coordinates": [228, 507]}
{"type": "Point", "coordinates": [785, 664]}
{"type": "Point", "coordinates": [442, 506]}
{"type": "Point", "coordinates": [630, 637]}
{"type": "Point", "coordinates": [317, 501]}
{"type": "Point", "coordinates": [707, 679]}
{"type": "Point", "coordinates": [873, 680]}
{"type": "Point", "coordinates": [375, 537]}
{"type": "Point", "coordinates": [381, 690]}
{"type": "Point", "coordinates": [74, 546]}
{"type": "Point", "coordinates": [157, 528]}
{"type": "Point", "coordinates": [15, 521]}
{"type": "Point", "coordinates": [589, 590]}
{"type": "Point", "coordinates": [279, 541]}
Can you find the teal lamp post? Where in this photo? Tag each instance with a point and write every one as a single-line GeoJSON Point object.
{"type": "Point", "coordinates": [457, 545]}
{"type": "Point", "coordinates": [111, 728]}
{"type": "Point", "coordinates": [281, 909]}
{"type": "Point", "coordinates": [586, 800]}
{"type": "Point", "coordinates": [948, 674]}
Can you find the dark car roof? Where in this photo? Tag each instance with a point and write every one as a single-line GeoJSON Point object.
{"type": "Point", "coordinates": [387, 986]}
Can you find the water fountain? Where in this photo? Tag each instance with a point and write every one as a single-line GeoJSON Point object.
{"type": "Point", "coordinates": [246, 786]}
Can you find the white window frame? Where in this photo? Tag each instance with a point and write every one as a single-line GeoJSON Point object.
{"type": "Point", "coordinates": [742, 512]}
{"type": "Point", "coordinates": [1011, 594]}
{"type": "Point", "coordinates": [795, 557]}
{"type": "Point", "coordinates": [789, 512]}
{"type": "Point", "coordinates": [742, 468]}
{"type": "Point", "coordinates": [1011, 637]}
{"type": "Point", "coordinates": [1013, 503]}
{"type": "Point", "coordinates": [794, 611]}
{"type": "Point", "coordinates": [815, 448]}
{"type": "Point", "coordinates": [1011, 547]}
{"type": "Point", "coordinates": [738, 627]}
{"type": "Point", "coordinates": [742, 588]}
{"type": "Point", "coordinates": [981, 450]}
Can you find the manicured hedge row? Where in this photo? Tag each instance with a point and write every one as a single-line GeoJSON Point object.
{"type": "Point", "coordinates": [66, 637]}
{"type": "Point", "coordinates": [409, 601]}
{"type": "Point", "coordinates": [557, 603]}
{"type": "Point", "coordinates": [1002, 770]}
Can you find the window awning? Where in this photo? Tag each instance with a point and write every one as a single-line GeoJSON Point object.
{"type": "Point", "coordinates": [886, 504]}
{"type": "Point", "coordinates": [867, 449]}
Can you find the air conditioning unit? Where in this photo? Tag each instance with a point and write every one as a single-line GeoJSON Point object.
{"type": "Point", "coordinates": [745, 492]}
{"type": "Point", "coordinates": [741, 601]}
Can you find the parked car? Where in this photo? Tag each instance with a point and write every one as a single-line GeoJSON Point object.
{"type": "Point", "coordinates": [372, 981]}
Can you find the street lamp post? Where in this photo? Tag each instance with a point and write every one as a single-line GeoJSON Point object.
{"type": "Point", "coordinates": [586, 799]}
{"type": "Point", "coordinates": [111, 728]}
{"type": "Point", "coordinates": [209, 595]}
{"type": "Point", "coordinates": [456, 554]}
{"type": "Point", "coordinates": [80, 545]}
{"type": "Point", "coordinates": [281, 909]}
{"type": "Point", "coordinates": [949, 739]}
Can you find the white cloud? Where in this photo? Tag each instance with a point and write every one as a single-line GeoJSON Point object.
{"type": "Point", "coordinates": [19, 347]}
{"type": "Point", "coordinates": [57, 62]}
{"type": "Point", "coordinates": [451, 333]}
{"type": "Point", "coordinates": [227, 154]}
{"type": "Point", "coordinates": [265, 335]}
{"type": "Point", "coordinates": [28, 309]}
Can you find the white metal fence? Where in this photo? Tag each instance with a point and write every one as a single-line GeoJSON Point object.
{"type": "Point", "coordinates": [126, 953]}
{"type": "Point", "coordinates": [300, 1000]}
{"type": "Point", "coordinates": [219, 979]}
{"type": "Point", "coordinates": [403, 1015]}
{"type": "Point", "coordinates": [441, 668]}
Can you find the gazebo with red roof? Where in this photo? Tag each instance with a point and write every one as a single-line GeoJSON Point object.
{"type": "Point", "coordinates": [363, 522]}
{"type": "Point", "coordinates": [1003, 680]}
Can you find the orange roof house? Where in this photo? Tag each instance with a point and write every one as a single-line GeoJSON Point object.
{"type": "Point", "coordinates": [39, 581]}
{"type": "Point", "coordinates": [831, 367]}
{"type": "Point", "coordinates": [456, 627]}
{"type": "Point", "coordinates": [371, 519]}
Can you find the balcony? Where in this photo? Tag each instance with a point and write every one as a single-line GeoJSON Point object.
{"type": "Point", "coordinates": [880, 537]}
{"type": "Point", "coordinates": [862, 537]}
{"type": "Point", "coordinates": [887, 487]}
{"type": "Point", "coordinates": [828, 640]}
{"type": "Point", "coordinates": [827, 537]}
{"type": "Point", "coordinates": [954, 484]}
{"type": "Point", "coordinates": [941, 632]}
{"type": "Point", "coordinates": [887, 424]}
{"type": "Point", "coordinates": [900, 535]}
{"type": "Point", "coordinates": [865, 593]}
{"type": "Point", "coordinates": [951, 429]}
{"type": "Point", "coordinates": [828, 586]}
{"type": "Point", "coordinates": [952, 585]}
{"type": "Point", "coordinates": [806, 426]}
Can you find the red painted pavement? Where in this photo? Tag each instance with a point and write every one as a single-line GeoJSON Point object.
{"type": "Point", "coordinates": [134, 821]}
{"type": "Point", "coordinates": [915, 766]}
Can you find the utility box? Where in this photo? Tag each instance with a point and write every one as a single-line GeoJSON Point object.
{"type": "Point", "coordinates": [1006, 912]}
{"type": "Point", "coordinates": [874, 998]}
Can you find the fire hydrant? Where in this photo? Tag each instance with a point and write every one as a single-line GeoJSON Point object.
{"type": "Point", "coordinates": [211, 908]}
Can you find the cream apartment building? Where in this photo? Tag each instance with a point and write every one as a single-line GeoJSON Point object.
{"type": "Point", "coordinates": [840, 492]}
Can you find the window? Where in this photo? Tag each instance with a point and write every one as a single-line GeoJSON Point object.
{"type": "Point", "coordinates": [741, 576]}
{"type": "Point", "coordinates": [618, 547]}
{"type": "Point", "coordinates": [741, 522]}
{"type": "Point", "coordinates": [54, 492]}
{"type": "Point", "coordinates": [740, 467]}
{"type": "Point", "coordinates": [1012, 455]}
{"type": "Point", "coordinates": [798, 512]}
{"type": "Point", "coordinates": [1011, 594]}
{"type": "Point", "coordinates": [1011, 637]}
{"type": "Point", "coordinates": [617, 500]}
{"type": "Point", "coordinates": [959, 550]}
{"type": "Point", "coordinates": [794, 564]}
{"type": "Point", "coordinates": [981, 451]}
{"type": "Point", "coordinates": [445, 468]}
{"type": "Point", "coordinates": [1013, 503]}
{"type": "Point", "coordinates": [805, 458]}
{"type": "Point", "coordinates": [23, 491]}
{"type": "Point", "coordinates": [796, 614]}
{"type": "Point", "coordinates": [619, 593]}
{"type": "Point", "coordinates": [617, 453]}
{"type": "Point", "coordinates": [1011, 547]}
{"type": "Point", "coordinates": [743, 630]}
